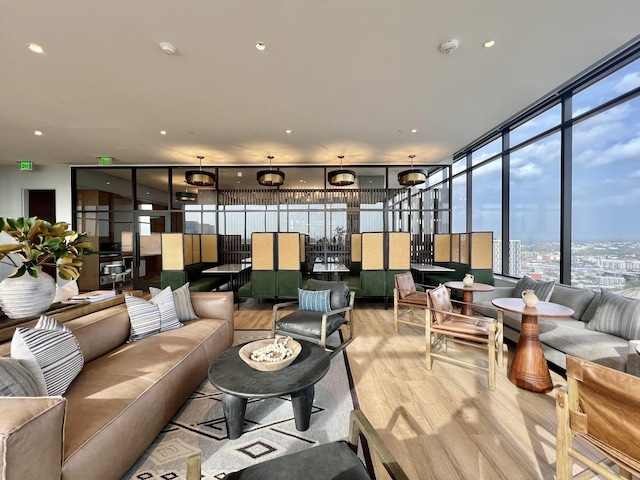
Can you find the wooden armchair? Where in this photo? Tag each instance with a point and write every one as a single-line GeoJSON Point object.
{"type": "Point", "coordinates": [406, 298]}
{"type": "Point", "coordinates": [445, 325]}
{"type": "Point", "coordinates": [316, 326]}
{"type": "Point", "coordinates": [600, 405]}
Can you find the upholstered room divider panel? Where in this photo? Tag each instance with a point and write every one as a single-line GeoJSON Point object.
{"type": "Point", "coordinates": [288, 251]}
{"type": "Point", "coordinates": [187, 244]}
{"type": "Point", "coordinates": [262, 251]}
{"type": "Point", "coordinates": [373, 251]}
{"type": "Point", "coordinates": [399, 251]}
{"type": "Point", "coordinates": [482, 250]}
{"type": "Point", "coordinates": [209, 248]}
{"type": "Point", "coordinates": [356, 247]}
{"type": "Point", "coordinates": [442, 247]}
{"type": "Point", "coordinates": [172, 251]}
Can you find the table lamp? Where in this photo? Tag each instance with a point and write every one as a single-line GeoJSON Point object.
{"type": "Point", "coordinates": [113, 270]}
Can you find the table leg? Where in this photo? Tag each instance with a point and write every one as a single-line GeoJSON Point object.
{"type": "Point", "coordinates": [467, 298]}
{"type": "Point", "coordinates": [234, 409]}
{"type": "Point", "coordinates": [529, 369]}
{"type": "Point", "coordinates": [302, 401]}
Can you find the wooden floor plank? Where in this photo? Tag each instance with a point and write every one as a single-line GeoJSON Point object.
{"type": "Point", "coordinates": [444, 423]}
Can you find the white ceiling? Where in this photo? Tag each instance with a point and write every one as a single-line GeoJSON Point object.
{"type": "Point", "coordinates": [348, 78]}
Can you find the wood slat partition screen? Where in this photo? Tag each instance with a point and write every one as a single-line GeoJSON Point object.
{"type": "Point", "coordinates": [172, 251]}
{"type": "Point", "coordinates": [209, 248]}
{"type": "Point", "coordinates": [262, 251]}
{"type": "Point", "coordinates": [356, 247]}
{"type": "Point", "coordinates": [442, 247]}
{"type": "Point", "coordinates": [482, 250]}
{"type": "Point", "coordinates": [399, 250]}
{"type": "Point", "coordinates": [373, 251]}
{"type": "Point", "coordinates": [288, 251]}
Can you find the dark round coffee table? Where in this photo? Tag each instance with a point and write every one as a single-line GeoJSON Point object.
{"type": "Point", "coordinates": [238, 382]}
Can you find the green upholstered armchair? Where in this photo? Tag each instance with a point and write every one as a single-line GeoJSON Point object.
{"type": "Point", "coordinates": [317, 326]}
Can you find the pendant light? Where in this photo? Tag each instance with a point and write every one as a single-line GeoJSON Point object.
{"type": "Point", "coordinates": [186, 196]}
{"type": "Point", "coordinates": [341, 178]}
{"type": "Point", "coordinates": [415, 176]}
{"type": "Point", "coordinates": [270, 178]}
{"type": "Point", "coordinates": [200, 178]}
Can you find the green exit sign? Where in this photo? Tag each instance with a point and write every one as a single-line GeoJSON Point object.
{"type": "Point", "coordinates": [26, 165]}
{"type": "Point", "coordinates": [106, 160]}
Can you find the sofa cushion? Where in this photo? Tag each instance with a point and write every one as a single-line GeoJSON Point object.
{"type": "Point", "coordinates": [577, 299]}
{"type": "Point", "coordinates": [591, 309]}
{"type": "Point", "coordinates": [52, 356]}
{"type": "Point", "coordinates": [441, 301]}
{"type": "Point", "coordinates": [543, 290]}
{"type": "Point", "coordinates": [181, 300]}
{"type": "Point", "coordinates": [617, 315]}
{"type": "Point", "coordinates": [314, 300]}
{"type": "Point", "coordinates": [16, 380]}
{"type": "Point", "coordinates": [339, 291]}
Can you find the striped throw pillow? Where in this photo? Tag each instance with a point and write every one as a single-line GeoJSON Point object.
{"type": "Point", "coordinates": [16, 380]}
{"type": "Point", "coordinates": [182, 301]}
{"type": "Point", "coordinates": [46, 322]}
{"type": "Point", "coordinates": [52, 356]}
{"type": "Point", "coordinates": [543, 290]}
{"type": "Point", "coordinates": [314, 300]}
{"type": "Point", "coordinates": [617, 315]}
{"type": "Point", "coordinates": [143, 316]}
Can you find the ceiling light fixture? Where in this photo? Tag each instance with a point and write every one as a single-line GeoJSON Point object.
{"type": "Point", "coordinates": [200, 178]}
{"type": "Point", "coordinates": [270, 178]}
{"type": "Point", "coordinates": [163, 132]}
{"type": "Point", "coordinates": [489, 43]}
{"type": "Point", "coordinates": [414, 130]}
{"type": "Point", "coordinates": [414, 176]}
{"type": "Point", "coordinates": [38, 133]}
{"type": "Point", "coordinates": [34, 47]}
{"type": "Point", "coordinates": [287, 130]}
{"type": "Point", "coordinates": [449, 46]}
{"type": "Point", "coordinates": [168, 48]}
{"type": "Point", "coordinates": [186, 196]}
{"type": "Point", "coordinates": [341, 178]}
{"type": "Point", "coordinates": [261, 46]}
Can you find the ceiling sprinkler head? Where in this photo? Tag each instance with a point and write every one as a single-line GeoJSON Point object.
{"type": "Point", "coordinates": [449, 46]}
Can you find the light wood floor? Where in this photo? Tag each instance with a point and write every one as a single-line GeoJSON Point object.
{"type": "Point", "coordinates": [444, 423]}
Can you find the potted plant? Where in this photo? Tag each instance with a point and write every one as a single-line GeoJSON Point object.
{"type": "Point", "coordinates": [38, 244]}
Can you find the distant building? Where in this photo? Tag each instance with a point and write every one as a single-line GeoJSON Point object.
{"type": "Point", "coordinates": [515, 257]}
{"type": "Point", "coordinates": [606, 280]}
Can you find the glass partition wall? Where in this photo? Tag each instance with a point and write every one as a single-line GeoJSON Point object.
{"type": "Point", "coordinates": [125, 210]}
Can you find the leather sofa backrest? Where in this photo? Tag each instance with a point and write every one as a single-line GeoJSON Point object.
{"type": "Point", "coordinates": [101, 332]}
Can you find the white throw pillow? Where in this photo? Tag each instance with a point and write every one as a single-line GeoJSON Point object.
{"type": "Point", "coordinates": [17, 381]}
{"type": "Point", "coordinates": [182, 301]}
{"type": "Point", "coordinates": [65, 292]}
{"type": "Point", "coordinates": [52, 355]}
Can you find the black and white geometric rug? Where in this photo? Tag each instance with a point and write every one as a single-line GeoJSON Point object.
{"type": "Point", "coordinates": [269, 429]}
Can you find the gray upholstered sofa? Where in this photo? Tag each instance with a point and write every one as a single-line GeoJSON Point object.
{"type": "Point", "coordinates": [586, 334]}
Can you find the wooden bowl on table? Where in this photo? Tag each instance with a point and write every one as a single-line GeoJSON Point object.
{"type": "Point", "coordinates": [265, 366]}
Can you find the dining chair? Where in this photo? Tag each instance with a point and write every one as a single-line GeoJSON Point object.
{"type": "Point", "coordinates": [445, 325]}
{"type": "Point", "coordinates": [599, 406]}
{"type": "Point", "coordinates": [406, 298]}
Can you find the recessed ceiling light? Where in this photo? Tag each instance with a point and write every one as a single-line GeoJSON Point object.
{"type": "Point", "coordinates": [489, 43]}
{"type": "Point", "coordinates": [239, 174]}
{"type": "Point", "coordinates": [34, 47]}
{"type": "Point", "coordinates": [287, 131]}
{"type": "Point", "coordinates": [163, 132]}
{"type": "Point", "coordinates": [414, 130]}
{"type": "Point", "coordinates": [38, 133]}
{"type": "Point", "coordinates": [260, 46]}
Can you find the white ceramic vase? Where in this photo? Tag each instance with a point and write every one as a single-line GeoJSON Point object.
{"type": "Point", "coordinates": [468, 280]}
{"type": "Point", "coordinates": [26, 296]}
{"type": "Point", "coordinates": [530, 298]}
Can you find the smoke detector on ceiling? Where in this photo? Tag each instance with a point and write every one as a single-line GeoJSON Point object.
{"type": "Point", "coordinates": [449, 46]}
{"type": "Point", "coordinates": [168, 48]}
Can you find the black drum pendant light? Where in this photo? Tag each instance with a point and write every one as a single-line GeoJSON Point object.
{"type": "Point", "coordinates": [270, 178]}
{"type": "Point", "coordinates": [200, 178]}
{"type": "Point", "coordinates": [186, 196]}
{"type": "Point", "coordinates": [341, 178]}
{"type": "Point", "coordinates": [415, 176]}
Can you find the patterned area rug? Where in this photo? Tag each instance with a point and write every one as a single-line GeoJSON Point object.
{"type": "Point", "coordinates": [269, 427]}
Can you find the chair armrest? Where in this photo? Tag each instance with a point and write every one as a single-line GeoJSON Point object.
{"type": "Point", "coordinates": [38, 424]}
{"type": "Point", "coordinates": [278, 306]}
{"type": "Point", "coordinates": [633, 358]}
{"type": "Point", "coordinates": [359, 424]}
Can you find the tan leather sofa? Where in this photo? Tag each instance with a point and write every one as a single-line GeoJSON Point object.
{"type": "Point", "coordinates": [125, 394]}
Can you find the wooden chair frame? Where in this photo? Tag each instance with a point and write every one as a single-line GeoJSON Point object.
{"type": "Point", "coordinates": [568, 409]}
{"type": "Point", "coordinates": [405, 301]}
{"type": "Point", "coordinates": [438, 335]}
{"type": "Point", "coordinates": [348, 310]}
{"type": "Point", "coordinates": [358, 425]}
